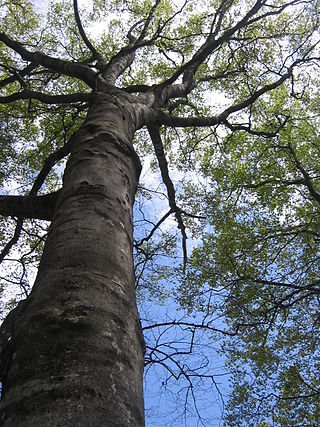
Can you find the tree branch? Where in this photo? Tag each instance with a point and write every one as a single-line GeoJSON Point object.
{"type": "Point", "coordinates": [49, 163]}
{"type": "Point", "coordinates": [191, 325]}
{"type": "Point", "coordinates": [95, 54]}
{"type": "Point", "coordinates": [67, 68]}
{"type": "Point", "coordinates": [46, 99]}
{"type": "Point", "coordinates": [189, 69]}
{"type": "Point", "coordinates": [263, 134]}
{"type": "Point", "coordinates": [38, 207]}
{"type": "Point", "coordinates": [174, 121]}
{"type": "Point", "coordinates": [158, 146]}
{"type": "Point", "coordinates": [13, 240]}
{"type": "Point", "coordinates": [17, 75]}
{"type": "Point", "coordinates": [306, 176]}
{"type": "Point", "coordinates": [148, 237]}
{"type": "Point", "coordinates": [124, 58]}
{"type": "Point", "coordinates": [147, 22]}
{"type": "Point", "coordinates": [137, 88]}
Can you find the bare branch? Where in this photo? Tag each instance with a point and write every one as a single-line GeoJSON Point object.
{"type": "Point", "coordinates": [46, 99]}
{"type": "Point", "coordinates": [145, 239]}
{"type": "Point", "coordinates": [13, 240]}
{"type": "Point", "coordinates": [158, 146]}
{"type": "Point", "coordinates": [95, 54]}
{"type": "Point", "coordinates": [175, 121]}
{"type": "Point", "coordinates": [67, 68]}
{"type": "Point", "coordinates": [17, 75]}
{"type": "Point", "coordinates": [190, 325]}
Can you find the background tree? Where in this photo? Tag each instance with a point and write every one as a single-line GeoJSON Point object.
{"type": "Point", "coordinates": [223, 94]}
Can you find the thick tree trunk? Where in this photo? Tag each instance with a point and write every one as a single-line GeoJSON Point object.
{"type": "Point", "coordinates": [76, 357]}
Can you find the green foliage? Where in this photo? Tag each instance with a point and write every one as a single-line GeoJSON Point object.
{"type": "Point", "coordinates": [259, 257]}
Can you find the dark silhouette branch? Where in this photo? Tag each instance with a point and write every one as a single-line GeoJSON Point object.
{"type": "Point", "coordinates": [191, 215]}
{"type": "Point", "coordinates": [154, 229]}
{"type": "Point", "coordinates": [17, 75]}
{"type": "Point", "coordinates": [95, 54]}
{"type": "Point", "coordinates": [67, 68]}
{"type": "Point", "coordinates": [193, 326]}
{"type": "Point", "coordinates": [13, 240]}
{"type": "Point", "coordinates": [174, 121]}
{"type": "Point", "coordinates": [248, 129]}
{"type": "Point", "coordinates": [138, 88]}
{"type": "Point", "coordinates": [307, 179]}
{"type": "Point", "coordinates": [46, 99]}
{"type": "Point", "coordinates": [158, 146]}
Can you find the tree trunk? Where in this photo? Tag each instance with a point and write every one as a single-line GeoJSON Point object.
{"type": "Point", "coordinates": [76, 356]}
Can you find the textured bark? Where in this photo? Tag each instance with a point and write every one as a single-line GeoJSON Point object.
{"type": "Point", "coordinates": [76, 355]}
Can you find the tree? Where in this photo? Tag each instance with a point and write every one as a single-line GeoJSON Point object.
{"type": "Point", "coordinates": [162, 75]}
{"type": "Point", "coordinates": [262, 262]}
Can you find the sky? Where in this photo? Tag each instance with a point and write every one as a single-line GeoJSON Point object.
{"type": "Point", "coordinates": [165, 396]}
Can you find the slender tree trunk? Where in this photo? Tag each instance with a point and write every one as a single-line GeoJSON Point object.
{"type": "Point", "coordinates": [76, 357]}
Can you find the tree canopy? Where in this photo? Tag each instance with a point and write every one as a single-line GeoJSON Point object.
{"type": "Point", "coordinates": [227, 227]}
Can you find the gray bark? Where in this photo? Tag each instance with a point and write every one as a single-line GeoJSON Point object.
{"type": "Point", "coordinates": [75, 357]}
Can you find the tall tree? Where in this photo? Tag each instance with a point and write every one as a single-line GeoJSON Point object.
{"type": "Point", "coordinates": [179, 78]}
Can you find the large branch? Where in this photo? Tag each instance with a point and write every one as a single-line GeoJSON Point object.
{"type": "Point", "coordinates": [39, 207]}
{"type": "Point", "coordinates": [125, 57]}
{"type": "Point", "coordinates": [95, 54]}
{"type": "Point", "coordinates": [158, 146]}
{"type": "Point", "coordinates": [174, 121]}
{"type": "Point", "coordinates": [189, 68]}
{"type": "Point", "coordinates": [118, 65]}
{"type": "Point", "coordinates": [67, 68]}
{"type": "Point", "coordinates": [46, 99]}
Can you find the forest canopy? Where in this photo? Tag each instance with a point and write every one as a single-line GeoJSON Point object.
{"type": "Point", "coordinates": [227, 209]}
